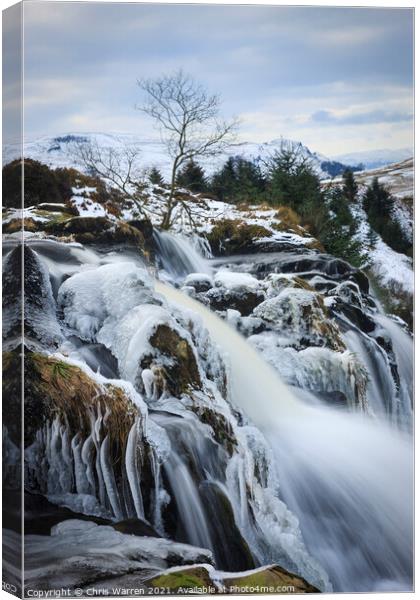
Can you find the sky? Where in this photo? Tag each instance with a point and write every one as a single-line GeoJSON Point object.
{"type": "Point", "coordinates": [338, 79]}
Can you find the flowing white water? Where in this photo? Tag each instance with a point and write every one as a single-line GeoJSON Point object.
{"type": "Point", "coordinates": [403, 349]}
{"type": "Point", "coordinates": [178, 256]}
{"type": "Point", "coordinates": [347, 477]}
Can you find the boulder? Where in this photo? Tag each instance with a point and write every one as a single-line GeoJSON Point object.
{"type": "Point", "coordinates": [275, 578]}
{"type": "Point", "coordinates": [244, 301]}
{"type": "Point", "coordinates": [182, 374]}
{"type": "Point", "coordinates": [230, 236]}
{"type": "Point", "coordinates": [184, 581]}
{"type": "Point", "coordinates": [301, 314]}
{"type": "Point", "coordinates": [79, 553]}
{"type": "Point", "coordinates": [97, 230]}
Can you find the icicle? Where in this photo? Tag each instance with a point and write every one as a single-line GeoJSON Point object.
{"type": "Point", "coordinates": [87, 458]}
{"type": "Point", "coordinates": [132, 467]}
{"type": "Point", "coordinates": [82, 483]}
{"type": "Point", "coordinates": [109, 479]}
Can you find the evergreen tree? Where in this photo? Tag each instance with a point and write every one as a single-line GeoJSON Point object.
{"type": "Point", "coordinates": [155, 177]}
{"type": "Point", "coordinates": [192, 177]}
{"type": "Point", "coordinates": [338, 232]}
{"type": "Point", "coordinates": [378, 204]}
{"type": "Point", "coordinates": [350, 187]}
{"type": "Point", "coordinates": [239, 180]}
{"type": "Point", "coordinates": [292, 182]}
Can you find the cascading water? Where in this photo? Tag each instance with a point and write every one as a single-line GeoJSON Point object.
{"type": "Point", "coordinates": [178, 256]}
{"type": "Point", "coordinates": [403, 349]}
{"type": "Point", "coordinates": [348, 478]}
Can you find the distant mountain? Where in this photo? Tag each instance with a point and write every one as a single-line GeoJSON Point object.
{"type": "Point", "coordinates": [372, 159]}
{"type": "Point", "coordinates": [58, 151]}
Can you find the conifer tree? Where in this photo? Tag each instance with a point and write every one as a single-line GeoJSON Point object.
{"type": "Point", "coordinates": [350, 187]}
{"type": "Point", "coordinates": [155, 177]}
{"type": "Point", "coordinates": [192, 177]}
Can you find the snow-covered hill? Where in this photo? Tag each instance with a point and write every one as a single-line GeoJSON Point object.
{"type": "Point", "coordinates": [58, 151]}
{"type": "Point", "coordinates": [372, 159]}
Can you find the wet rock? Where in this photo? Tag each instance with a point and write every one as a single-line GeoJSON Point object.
{"type": "Point", "coordinates": [230, 236]}
{"type": "Point", "coordinates": [146, 229]}
{"type": "Point", "coordinates": [275, 576]}
{"type": "Point", "coordinates": [65, 208]}
{"type": "Point", "coordinates": [73, 555]}
{"type": "Point", "coordinates": [301, 314]}
{"type": "Point", "coordinates": [199, 282]}
{"type": "Point", "coordinates": [242, 300]}
{"type": "Point", "coordinates": [182, 374]}
{"type": "Point", "coordinates": [183, 581]}
{"type": "Point", "coordinates": [355, 315]}
{"type": "Point", "coordinates": [28, 224]}
{"type": "Point", "coordinates": [97, 230]}
{"type": "Point", "coordinates": [232, 553]}
{"type": "Point", "coordinates": [40, 322]}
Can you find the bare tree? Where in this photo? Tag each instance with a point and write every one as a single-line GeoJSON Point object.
{"type": "Point", "coordinates": [118, 168]}
{"type": "Point", "coordinates": [188, 119]}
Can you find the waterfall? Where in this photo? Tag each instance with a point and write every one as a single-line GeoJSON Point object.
{"type": "Point", "coordinates": [403, 348]}
{"type": "Point", "coordinates": [348, 478]}
{"type": "Point", "coordinates": [178, 256]}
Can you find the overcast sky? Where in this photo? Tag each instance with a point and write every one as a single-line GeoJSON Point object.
{"type": "Point", "coordinates": [339, 80]}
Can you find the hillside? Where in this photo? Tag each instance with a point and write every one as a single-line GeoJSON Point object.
{"type": "Point", "coordinates": [58, 151]}
{"type": "Point", "coordinates": [373, 159]}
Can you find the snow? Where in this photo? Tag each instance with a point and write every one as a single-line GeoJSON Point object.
{"type": "Point", "coordinates": [372, 159]}
{"type": "Point", "coordinates": [89, 208]}
{"type": "Point", "coordinates": [84, 551]}
{"type": "Point", "coordinates": [392, 268]}
{"type": "Point", "coordinates": [236, 281]}
{"type": "Point", "coordinates": [59, 151]}
{"type": "Point", "coordinates": [89, 297]}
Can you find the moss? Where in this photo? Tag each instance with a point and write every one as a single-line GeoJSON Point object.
{"type": "Point", "coordinates": [16, 225]}
{"type": "Point", "coordinates": [54, 388]}
{"type": "Point", "coordinates": [97, 230]}
{"type": "Point", "coordinates": [183, 374]}
{"type": "Point", "coordinates": [177, 581]}
{"type": "Point", "coordinates": [233, 236]}
{"type": "Point", "coordinates": [276, 577]}
{"type": "Point", "coordinates": [315, 244]}
{"type": "Point", "coordinates": [222, 429]}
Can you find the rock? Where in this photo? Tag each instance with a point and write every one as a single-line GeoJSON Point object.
{"type": "Point", "coordinates": [230, 236]}
{"type": "Point", "coordinates": [202, 579]}
{"type": "Point", "coordinates": [184, 581]}
{"type": "Point", "coordinates": [65, 208]}
{"type": "Point", "coordinates": [302, 314]}
{"type": "Point", "coordinates": [269, 577]}
{"type": "Point", "coordinates": [182, 374]}
{"type": "Point", "coordinates": [231, 551]}
{"type": "Point", "coordinates": [242, 300]}
{"type": "Point", "coordinates": [222, 429]}
{"type": "Point", "coordinates": [97, 230]}
{"type": "Point", "coordinates": [40, 320]}
{"type": "Point", "coordinates": [81, 553]}
{"type": "Point", "coordinates": [41, 515]}
{"type": "Point", "coordinates": [146, 229]}
{"type": "Point", "coordinates": [200, 282]}
{"type": "Point", "coordinates": [15, 225]}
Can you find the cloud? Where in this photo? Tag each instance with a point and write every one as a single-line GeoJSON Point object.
{"type": "Point", "coordinates": [278, 67]}
{"type": "Point", "coordinates": [327, 117]}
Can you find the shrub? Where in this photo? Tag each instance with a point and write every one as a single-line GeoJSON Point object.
{"type": "Point", "coordinates": [41, 184]}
